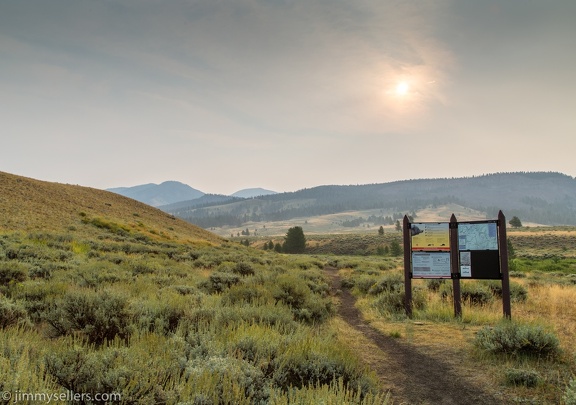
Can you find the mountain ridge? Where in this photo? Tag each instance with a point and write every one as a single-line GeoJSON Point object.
{"type": "Point", "coordinates": [540, 197]}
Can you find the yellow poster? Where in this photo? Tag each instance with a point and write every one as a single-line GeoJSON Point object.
{"type": "Point", "coordinates": [430, 236]}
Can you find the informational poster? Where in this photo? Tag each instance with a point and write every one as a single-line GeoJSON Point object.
{"type": "Point", "coordinates": [478, 250]}
{"type": "Point", "coordinates": [431, 265]}
{"type": "Point", "coordinates": [477, 236]}
{"type": "Point", "coordinates": [430, 236]}
{"type": "Point", "coordinates": [465, 264]}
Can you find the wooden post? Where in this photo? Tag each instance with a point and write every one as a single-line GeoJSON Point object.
{"type": "Point", "coordinates": [454, 268]}
{"type": "Point", "coordinates": [407, 266]}
{"type": "Point", "coordinates": [507, 308]}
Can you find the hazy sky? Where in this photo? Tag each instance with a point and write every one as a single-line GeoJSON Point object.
{"type": "Point", "coordinates": [285, 94]}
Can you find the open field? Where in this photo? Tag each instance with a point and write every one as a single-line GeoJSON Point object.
{"type": "Point", "coordinates": [112, 297]}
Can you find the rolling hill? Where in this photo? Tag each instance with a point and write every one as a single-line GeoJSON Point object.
{"type": "Point", "coordinates": [539, 197]}
{"type": "Point", "coordinates": [30, 205]}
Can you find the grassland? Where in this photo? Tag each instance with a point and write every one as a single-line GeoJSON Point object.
{"type": "Point", "coordinates": [100, 294]}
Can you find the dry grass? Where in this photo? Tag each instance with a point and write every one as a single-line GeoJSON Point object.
{"type": "Point", "coordinates": [37, 206]}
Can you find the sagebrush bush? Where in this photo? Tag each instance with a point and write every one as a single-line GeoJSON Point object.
{"type": "Point", "coordinates": [244, 269]}
{"type": "Point", "coordinates": [518, 293]}
{"type": "Point", "coordinates": [526, 378]}
{"type": "Point", "coordinates": [473, 293]}
{"type": "Point", "coordinates": [13, 272]}
{"type": "Point", "coordinates": [12, 313]}
{"type": "Point", "coordinates": [100, 317]}
{"type": "Point", "coordinates": [514, 339]}
{"type": "Point", "coordinates": [569, 396]}
{"type": "Point", "coordinates": [393, 301]}
{"type": "Point", "coordinates": [219, 281]}
{"type": "Point", "coordinates": [389, 283]}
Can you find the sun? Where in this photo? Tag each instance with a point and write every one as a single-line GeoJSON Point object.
{"type": "Point", "coordinates": [402, 89]}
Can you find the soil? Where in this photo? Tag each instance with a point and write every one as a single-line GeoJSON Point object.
{"type": "Point", "coordinates": [411, 376]}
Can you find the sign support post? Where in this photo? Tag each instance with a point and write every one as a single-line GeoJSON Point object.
{"type": "Point", "coordinates": [504, 266]}
{"type": "Point", "coordinates": [407, 267]}
{"type": "Point", "coordinates": [454, 269]}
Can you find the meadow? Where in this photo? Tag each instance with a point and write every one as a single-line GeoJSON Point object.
{"type": "Point", "coordinates": [157, 321]}
{"type": "Point", "coordinates": [104, 308]}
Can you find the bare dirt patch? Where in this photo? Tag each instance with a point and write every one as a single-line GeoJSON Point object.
{"type": "Point", "coordinates": [411, 376]}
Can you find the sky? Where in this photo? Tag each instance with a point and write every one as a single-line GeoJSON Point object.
{"type": "Point", "coordinates": [285, 94]}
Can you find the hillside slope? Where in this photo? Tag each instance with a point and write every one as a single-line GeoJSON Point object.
{"type": "Point", "coordinates": [32, 205]}
{"type": "Point", "coordinates": [540, 197]}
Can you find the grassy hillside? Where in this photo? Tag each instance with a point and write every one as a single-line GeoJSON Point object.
{"type": "Point", "coordinates": [32, 205]}
{"type": "Point", "coordinates": [107, 298]}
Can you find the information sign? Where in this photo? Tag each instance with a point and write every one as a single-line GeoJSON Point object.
{"type": "Point", "coordinates": [430, 236]}
{"type": "Point", "coordinates": [431, 265]}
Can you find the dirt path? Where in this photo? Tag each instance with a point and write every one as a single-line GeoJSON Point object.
{"type": "Point", "coordinates": [415, 377]}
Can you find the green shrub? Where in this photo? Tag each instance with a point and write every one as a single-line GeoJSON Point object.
{"type": "Point", "coordinates": [228, 374]}
{"type": "Point", "coordinates": [244, 269]}
{"type": "Point", "coordinates": [393, 301]}
{"type": "Point", "coordinates": [291, 290]}
{"type": "Point", "coordinates": [99, 317]}
{"type": "Point", "coordinates": [391, 282]}
{"type": "Point", "coordinates": [513, 339]}
{"type": "Point", "coordinates": [219, 281]}
{"type": "Point", "coordinates": [476, 293]}
{"type": "Point", "coordinates": [569, 396]}
{"type": "Point", "coordinates": [239, 294]}
{"type": "Point", "coordinates": [13, 272]}
{"type": "Point", "coordinates": [435, 284]}
{"type": "Point", "coordinates": [526, 378]}
{"type": "Point", "coordinates": [12, 313]}
{"type": "Point", "coordinates": [517, 291]}
{"type": "Point", "coordinates": [363, 283]}
{"type": "Point", "coordinates": [472, 292]}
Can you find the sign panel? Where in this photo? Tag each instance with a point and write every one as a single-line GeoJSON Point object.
{"type": "Point", "coordinates": [478, 248]}
{"type": "Point", "coordinates": [477, 236]}
{"type": "Point", "coordinates": [431, 265]}
{"type": "Point", "coordinates": [430, 236]}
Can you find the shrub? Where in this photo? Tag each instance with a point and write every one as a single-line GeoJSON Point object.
{"type": "Point", "coordinates": [244, 269]}
{"type": "Point", "coordinates": [393, 301]}
{"type": "Point", "coordinates": [476, 293]}
{"type": "Point", "coordinates": [238, 294]}
{"type": "Point", "coordinates": [363, 283]}
{"type": "Point", "coordinates": [219, 281]}
{"type": "Point", "coordinates": [569, 396]}
{"type": "Point", "coordinates": [517, 291]}
{"type": "Point", "coordinates": [473, 293]}
{"type": "Point", "coordinates": [98, 316]}
{"type": "Point", "coordinates": [13, 272]}
{"type": "Point", "coordinates": [526, 378]}
{"type": "Point", "coordinates": [435, 284]}
{"type": "Point", "coordinates": [291, 291]}
{"type": "Point", "coordinates": [391, 282]}
{"type": "Point", "coordinates": [513, 339]}
{"type": "Point", "coordinates": [228, 374]}
{"type": "Point", "coordinates": [12, 313]}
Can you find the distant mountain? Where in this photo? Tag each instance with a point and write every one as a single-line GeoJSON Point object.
{"type": "Point", "coordinates": [159, 194]}
{"type": "Point", "coordinates": [253, 192]}
{"type": "Point", "coordinates": [539, 197]}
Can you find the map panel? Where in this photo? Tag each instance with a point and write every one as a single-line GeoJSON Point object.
{"type": "Point", "coordinates": [477, 236]}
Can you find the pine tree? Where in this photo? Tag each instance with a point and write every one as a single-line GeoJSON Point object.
{"type": "Point", "coordinates": [295, 241]}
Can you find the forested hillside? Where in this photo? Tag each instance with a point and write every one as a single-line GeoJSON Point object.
{"type": "Point", "coordinates": [542, 197]}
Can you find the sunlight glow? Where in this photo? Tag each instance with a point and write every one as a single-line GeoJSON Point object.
{"type": "Point", "coordinates": [402, 88]}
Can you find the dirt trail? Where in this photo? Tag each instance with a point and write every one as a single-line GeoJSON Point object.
{"type": "Point", "coordinates": [415, 377]}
